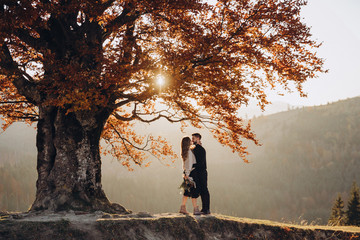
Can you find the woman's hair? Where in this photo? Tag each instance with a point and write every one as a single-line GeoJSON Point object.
{"type": "Point", "coordinates": [185, 146]}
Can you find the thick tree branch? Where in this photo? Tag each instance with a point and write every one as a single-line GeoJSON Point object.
{"type": "Point", "coordinates": [33, 119]}
{"type": "Point", "coordinates": [22, 115]}
{"type": "Point", "coordinates": [132, 97]}
{"type": "Point", "coordinates": [12, 102]}
{"type": "Point", "coordinates": [128, 43]}
{"type": "Point", "coordinates": [25, 87]}
{"type": "Point", "coordinates": [125, 119]}
{"type": "Point", "coordinates": [171, 117]}
{"type": "Point", "coordinates": [122, 103]}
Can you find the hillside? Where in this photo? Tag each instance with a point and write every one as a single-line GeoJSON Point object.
{"type": "Point", "coordinates": [308, 155]}
{"type": "Point", "coordinates": [99, 226]}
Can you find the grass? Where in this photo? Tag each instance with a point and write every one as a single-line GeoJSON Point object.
{"type": "Point", "coordinates": [353, 229]}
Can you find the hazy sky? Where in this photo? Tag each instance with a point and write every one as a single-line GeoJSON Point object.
{"type": "Point", "coordinates": [336, 23]}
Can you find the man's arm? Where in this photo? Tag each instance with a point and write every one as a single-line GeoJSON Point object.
{"type": "Point", "coordinates": [203, 157]}
{"type": "Point", "coordinates": [199, 153]}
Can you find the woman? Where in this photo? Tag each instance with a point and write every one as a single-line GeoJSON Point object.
{"type": "Point", "coordinates": [189, 174]}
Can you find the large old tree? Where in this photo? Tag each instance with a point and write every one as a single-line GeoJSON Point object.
{"type": "Point", "coordinates": [87, 70]}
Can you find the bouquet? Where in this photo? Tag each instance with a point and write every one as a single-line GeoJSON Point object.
{"type": "Point", "coordinates": [187, 184]}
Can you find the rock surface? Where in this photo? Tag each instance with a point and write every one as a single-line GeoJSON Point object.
{"type": "Point", "coordinates": [100, 225]}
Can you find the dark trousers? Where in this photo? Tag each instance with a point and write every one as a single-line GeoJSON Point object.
{"type": "Point", "coordinates": [203, 188]}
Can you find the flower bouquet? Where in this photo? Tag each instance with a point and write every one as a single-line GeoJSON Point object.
{"type": "Point", "coordinates": [187, 184]}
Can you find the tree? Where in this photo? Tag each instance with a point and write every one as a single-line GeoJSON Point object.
{"type": "Point", "coordinates": [87, 70]}
{"type": "Point", "coordinates": [337, 216]}
{"type": "Point", "coordinates": [353, 211]}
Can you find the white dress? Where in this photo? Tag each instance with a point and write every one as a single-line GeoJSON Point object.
{"type": "Point", "coordinates": [188, 163]}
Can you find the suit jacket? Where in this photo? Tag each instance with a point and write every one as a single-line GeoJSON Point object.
{"type": "Point", "coordinates": [200, 155]}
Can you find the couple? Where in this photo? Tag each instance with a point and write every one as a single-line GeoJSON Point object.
{"type": "Point", "coordinates": [194, 165]}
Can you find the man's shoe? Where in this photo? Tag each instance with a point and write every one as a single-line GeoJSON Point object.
{"type": "Point", "coordinates": [207, 212]}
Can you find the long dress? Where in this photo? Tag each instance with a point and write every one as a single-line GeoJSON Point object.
{"type": "Point", "coordinates": [190, 171]}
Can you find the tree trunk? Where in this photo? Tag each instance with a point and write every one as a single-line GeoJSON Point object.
{"type": "Point", "coordinates": [68, 164]}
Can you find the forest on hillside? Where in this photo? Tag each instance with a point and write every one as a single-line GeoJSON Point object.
{"type": "Point", "coordinates": [308, 156]}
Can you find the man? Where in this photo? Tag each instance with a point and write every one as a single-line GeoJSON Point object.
{"type": "Point", "coordinates": [200, 155]}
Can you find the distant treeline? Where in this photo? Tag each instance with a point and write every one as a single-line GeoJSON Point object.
{"type": "Point", "coordinates": [308, 156]}
{"type": "Point", "coordinates": [17, 180]}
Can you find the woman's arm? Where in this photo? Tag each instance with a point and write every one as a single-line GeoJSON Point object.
{"type": "Point", "coordinates": [187, 165]}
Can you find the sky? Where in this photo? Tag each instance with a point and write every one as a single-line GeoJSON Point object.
{"type": "Point", "coordinates": [336, 23]}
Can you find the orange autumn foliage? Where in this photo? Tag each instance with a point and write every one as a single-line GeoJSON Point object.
{"type": "Point", "coordinates": [79, 54]}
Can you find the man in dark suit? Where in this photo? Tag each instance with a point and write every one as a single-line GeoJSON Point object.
{"type": "Point", "coordinates": [200, 155]}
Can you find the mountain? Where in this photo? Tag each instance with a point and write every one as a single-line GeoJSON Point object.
{"type": "Point", "coordinates": [252, 110]}
{"type": "Point", "coordinates": [308, 156]}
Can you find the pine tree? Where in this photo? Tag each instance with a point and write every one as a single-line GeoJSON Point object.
{"type": "Point", "coordinates": [337, 216]}
{"type": "Point", "coordinates": [353, 212]}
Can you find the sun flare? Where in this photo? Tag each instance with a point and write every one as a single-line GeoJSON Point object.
{"type": "Point", "coordinates": [160, 80]}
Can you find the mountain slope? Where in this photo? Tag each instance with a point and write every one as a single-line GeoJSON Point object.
{"type": "Point", "coordinates": [309, 155]}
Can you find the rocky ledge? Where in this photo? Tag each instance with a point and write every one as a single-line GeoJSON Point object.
{"type": "Point", "coordinates": [99, 225]}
